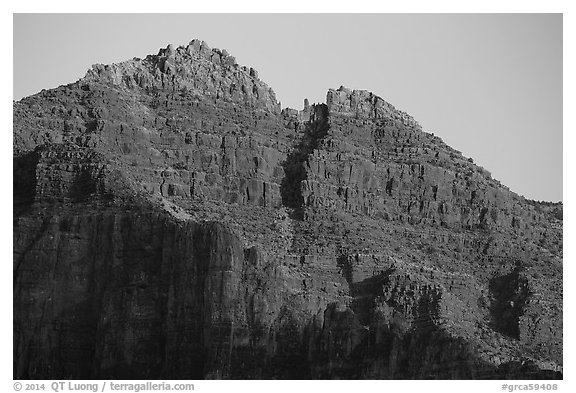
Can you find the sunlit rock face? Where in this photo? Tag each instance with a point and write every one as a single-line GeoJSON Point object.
{"type": "Point", "coordinates": [172, 221]}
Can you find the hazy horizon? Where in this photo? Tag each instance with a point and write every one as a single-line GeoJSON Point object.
{"type": "Point", "coordinates": [490, 85]}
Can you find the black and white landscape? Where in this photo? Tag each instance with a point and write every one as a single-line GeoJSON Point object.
{"type": "Point", "coordinates": [172, 220]}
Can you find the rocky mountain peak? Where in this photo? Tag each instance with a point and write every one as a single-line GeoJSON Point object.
{"type": "Point", "coordinates": [365, 104]}
{"type": "Point", "coordinates": [195, 68]}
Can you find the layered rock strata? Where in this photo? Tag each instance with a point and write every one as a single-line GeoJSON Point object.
{"type": "Point", "coordinates": [172, 221]}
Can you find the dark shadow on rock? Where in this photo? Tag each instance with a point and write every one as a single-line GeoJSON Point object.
{"type": "Point", "coordinates": [24, 180]}
{"type": "Point", "coordinates": [509, 294]}
{"type": "Point", "coordinates": [295, 164]}
{"type": "Point", "coordinates": [525, 369]}
{"type": "Point", "coordinates": [365, 292]}
{"type": "Point", "coordinates": [346, 269]}
{"type": "Point", "coordinates": [83, 186]}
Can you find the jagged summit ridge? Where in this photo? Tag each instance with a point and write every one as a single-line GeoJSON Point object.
{"type": "Point", "coordinates": [365, 104]}
{"type": "Point", "coordinates": [194, 68]}
{"type": "Point", "coordinates": [359, 104]}
{"type": "Point", "coordinates": [215, 73]}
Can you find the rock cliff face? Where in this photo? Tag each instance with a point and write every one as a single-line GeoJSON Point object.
{"type": "Point", "coordinates": [171, 221]}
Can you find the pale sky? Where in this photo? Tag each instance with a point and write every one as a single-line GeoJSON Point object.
{"type": "Point", "coordinates": [490, 85]}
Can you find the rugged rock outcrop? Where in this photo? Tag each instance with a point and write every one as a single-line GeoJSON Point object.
{"type": "Point", "coordinates": [171, 221]}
